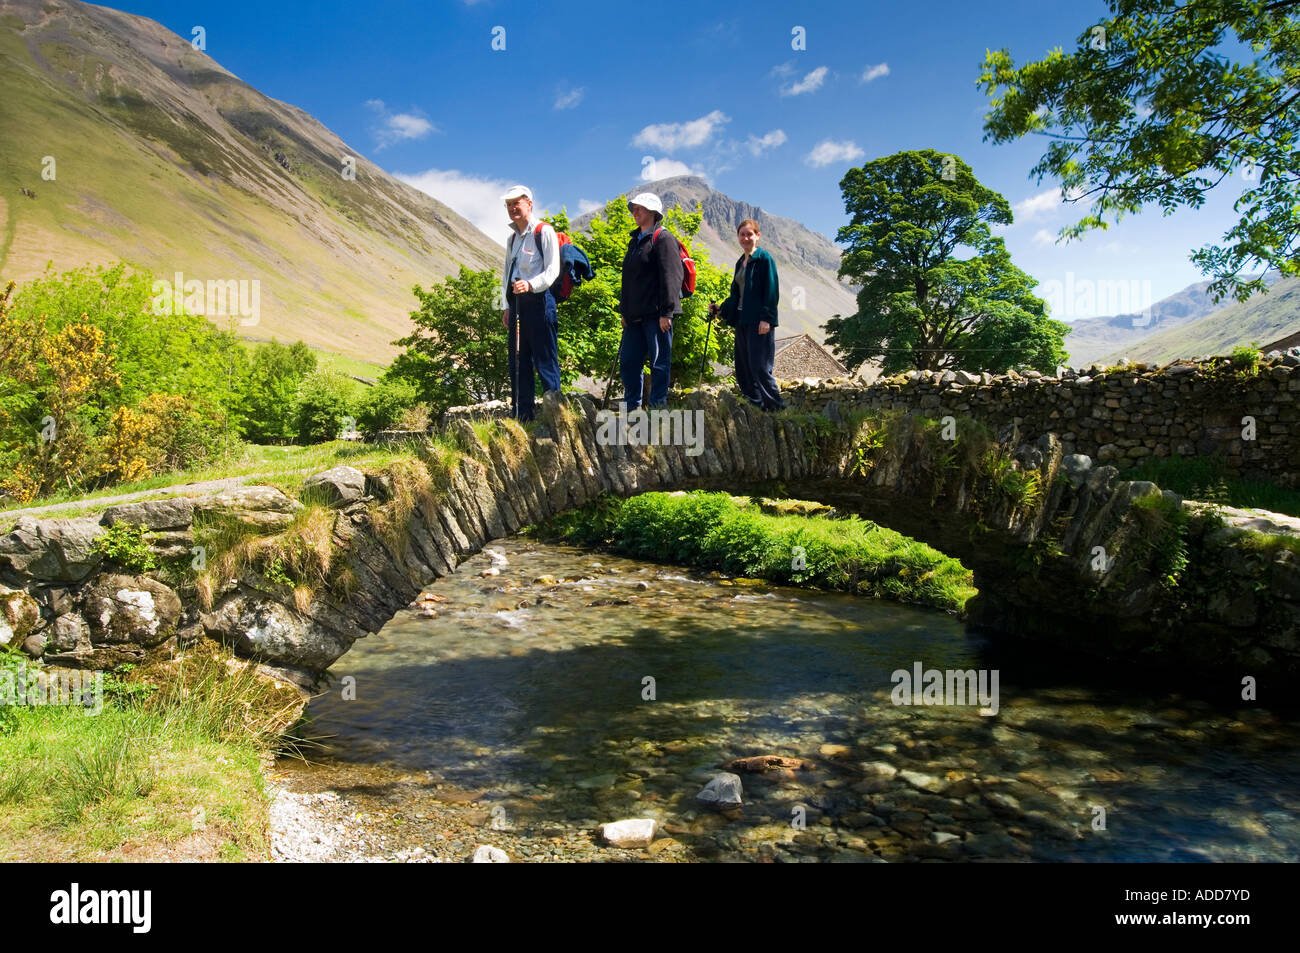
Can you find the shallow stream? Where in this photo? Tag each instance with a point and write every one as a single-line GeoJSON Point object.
{"type": "Point", "coordinates": [522, 716]}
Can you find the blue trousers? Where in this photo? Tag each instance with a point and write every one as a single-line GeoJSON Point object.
{"type": "Point", "coordinates": [539, 348]}
{"type": "Point", "coordinates": [755, 355]}
{"type": "Point", "coordinates": [642, 340]}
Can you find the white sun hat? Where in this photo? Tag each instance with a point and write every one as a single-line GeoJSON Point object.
{"type": "Point", "coordinates": [648, 201]}
{"type": "Point", "coordinates": [515, 191]}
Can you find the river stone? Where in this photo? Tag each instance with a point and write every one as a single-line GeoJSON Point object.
{"type": "Point", "coordinates": [486, 854]}
{"type": "Point", "coordinates": [154, 515]}
{"type": "Point", "coordinates": [762, 762]}
{"type": "Point", "coordinates": [926, 782]}
{"type": "Point", "coordinates": [19, 613]}
{"type": "Point", "coordinates": [263, 508]}
{"type": "Point", "coordinates": [52, 550]}
{"type": "Point", "coordinates": [633, 832]}
{"type": "Point", "coordinates": [131, 609]}
{"type": "Point", "coordinates": [723, 792]}
{"type": "Point", "coordinates": [336, 487]}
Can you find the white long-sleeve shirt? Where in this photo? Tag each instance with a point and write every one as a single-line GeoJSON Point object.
{"type": "Point", "coordinates": [523, 263]}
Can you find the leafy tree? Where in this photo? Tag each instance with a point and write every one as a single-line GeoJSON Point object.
{"type": "Point", "coordinates": [324, 400]}
{"type": "Point", "coordinates": [1159, 104]}
{"type": "Point", "coordinates": [269, 404]}
{"type": "Point", "coordinates": [920, 306]}
{"type": "Point", "coordinates": [457, 353]}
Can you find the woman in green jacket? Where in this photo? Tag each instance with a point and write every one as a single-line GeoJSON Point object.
{"type": "Point", "coordinates": [751, 310]}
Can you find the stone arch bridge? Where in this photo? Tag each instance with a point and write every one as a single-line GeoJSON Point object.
{"type": "Point", "coordinates": [297, 583]}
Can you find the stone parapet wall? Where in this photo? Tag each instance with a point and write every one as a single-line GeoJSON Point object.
{"type": "Point", "coordinates": [1118, 416]}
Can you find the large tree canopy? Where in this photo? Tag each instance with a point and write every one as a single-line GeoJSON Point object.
{"type": "Point", "coordinates": [921, 306]}
{"type": "Point", "coordinates": [1161, 103]}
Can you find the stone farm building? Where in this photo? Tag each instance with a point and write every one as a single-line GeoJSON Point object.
{"type": "Point", "coordinates": [800, 356]}
{"type": "Point", "coordinates": [1282, 344]}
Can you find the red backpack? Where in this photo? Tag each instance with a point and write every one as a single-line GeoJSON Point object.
{"type": "Point", "coordinates": [688, 264]}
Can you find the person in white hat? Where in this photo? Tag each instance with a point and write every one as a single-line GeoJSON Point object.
{"type": "Point", "coordinates": [532, 266]}
{"type": "Point", "coordinates": [651, 298]}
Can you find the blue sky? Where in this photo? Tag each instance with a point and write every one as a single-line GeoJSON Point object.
{"type": "Point", "coordinates": [583, 93]}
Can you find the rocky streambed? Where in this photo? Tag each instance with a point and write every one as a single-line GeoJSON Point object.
{"type": "Point", "coordinates": [541, 692]}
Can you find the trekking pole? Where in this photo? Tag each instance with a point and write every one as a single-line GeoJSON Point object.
{"type": "Point", "coordinates": [512, 350]}
{"type": "Point", "coordinates": [708, 327]}
{"type": "Point", "coordinates": [613, 369]}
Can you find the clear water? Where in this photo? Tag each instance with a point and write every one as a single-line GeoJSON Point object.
{"type": "Point", "coordinates": [533, 696]}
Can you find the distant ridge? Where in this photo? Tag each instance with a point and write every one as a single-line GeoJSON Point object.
{"type": "Point", "coordinates": [1092, 339]}
{"type": "Point", "coordinates": [1262, 319]}
{"type": "Point", "coordinates": [804, 258]}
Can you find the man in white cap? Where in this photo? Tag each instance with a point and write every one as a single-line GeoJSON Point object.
{"type": "Point", "coordinates": [651, 298]}
{"type": "Point", "coordinates": [532, 266]}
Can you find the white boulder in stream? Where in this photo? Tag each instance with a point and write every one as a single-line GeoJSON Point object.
{"type": "Point", "coordinates": [633, 832]}
{"type": "Point", "coordinates": [723, 792]}
{"type": "Point", "coordinates": [487, 854]}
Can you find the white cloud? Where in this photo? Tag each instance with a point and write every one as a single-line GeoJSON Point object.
{"type": "Point", "coordinates": [665, 169]}
{"type": "Point", "coordinates": [670, 136]}
{"type": "Point", "coordinates": [875, 72]}
{"type": "Point", "coordinates": [810, 83]}
{"type": "Point", "coordinates": [587, 205]}
{"type": "Point", "coordinates": [760, 144]}
{"type": "Point", "coordinates": [828, 151]}
{"type": "Point", "coordinates": [783, 69]}
{"type": "Point", "coordinates": [478, 200]}
{"type": "Point", "coordinates": [571, 98]}
{"type": "Point", "coordinates": [397, 127]}
{"type": "Point", "coordinates": [1044, 237]}
{"type": "Point", "coordinates": [1036, 205]}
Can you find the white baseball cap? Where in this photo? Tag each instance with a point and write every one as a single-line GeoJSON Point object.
{"type": "Point", "coordinates": [515, 191]}
{"type": "Point", "coordinates": [648, 201]}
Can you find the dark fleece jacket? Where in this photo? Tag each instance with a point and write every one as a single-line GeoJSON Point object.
{"type": "Point", "coordinates": [652, 278]}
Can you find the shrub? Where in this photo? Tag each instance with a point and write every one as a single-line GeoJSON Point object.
{"type": "Point", "coordinates": [124, 544]}
{"type": "Point", "coordinates": [324, 400]}
{"type": "Point", "coordinates": [381, 407]}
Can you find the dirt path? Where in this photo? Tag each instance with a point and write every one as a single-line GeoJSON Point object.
{"type": "Point", "coordinates": [176, 489]}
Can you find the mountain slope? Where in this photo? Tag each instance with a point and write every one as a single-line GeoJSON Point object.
{"type": "Point", "coordinates": [1262, 319]}
{"type": "Point", "coordinates": [1090, 339]}
{"type": "Point", "coordinates": [803, 257]}
{"type": "Point", "coordinates": [166, 160]}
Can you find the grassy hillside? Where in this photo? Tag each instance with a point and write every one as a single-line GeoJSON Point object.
{"type": "Point", "coordinates": [1262, 319]}
{"type": "Point", "coordinates": [169, 162]}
